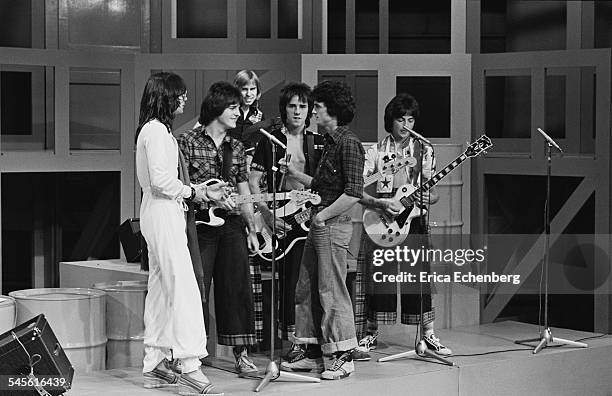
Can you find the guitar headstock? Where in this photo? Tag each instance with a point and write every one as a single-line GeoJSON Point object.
{"type": "Point", "coordinates": [392, 166]}
{"type": "Point", "coordinates": [301, 197]}
{"type": "Point", "coordinates": [229, 190]}
{"type": "Point", "coordinates": [479, 146]}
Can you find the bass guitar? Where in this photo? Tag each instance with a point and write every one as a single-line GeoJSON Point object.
{"type": "Point", "coordinates": [212, 215]}
{"type": "Point", "coordinates": [298, 216]}
{"type": "Point", "coordinates": [387, 232]}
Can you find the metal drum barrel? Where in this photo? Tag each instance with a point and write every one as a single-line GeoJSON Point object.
{"type": "Point", "coordinates": [446, 216]}
{"type": "Point", "coordinates": [7, 313]}
{"type": "Point", "coordinates": [456, 304]}
{"type": "Point", "coordinates": [77, 317]}
{"type": "Point", "coordinates": [125, 302]}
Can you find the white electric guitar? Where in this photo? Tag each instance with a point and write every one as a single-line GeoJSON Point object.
{"type": "Point", "coordinates": [298, 216]}
{"type": "Point", "coordinates": [387, 232]}
{"type": "Point", "coordinates": [211, 214]}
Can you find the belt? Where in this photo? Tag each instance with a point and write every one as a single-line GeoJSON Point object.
{"type": "Point", "coordinates": [336, 219]}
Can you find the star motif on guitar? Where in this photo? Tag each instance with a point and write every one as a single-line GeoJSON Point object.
{"type": "Point", "coordinates": [385, 182]}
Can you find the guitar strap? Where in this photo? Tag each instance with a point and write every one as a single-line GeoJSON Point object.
{"type": "Point", "coordinates": [310, 142]}
{"type": "Point", "coordinates": [417, 153]}
{"type": "Point", "coordinates": [227, 161]}
{"type": "Point", "coordinates": [385, 184]}
{"type": "Point", "coordinates": [192, 233]}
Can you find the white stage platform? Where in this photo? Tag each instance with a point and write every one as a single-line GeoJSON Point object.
{"type": "Point", "coordinates": [553, 371]}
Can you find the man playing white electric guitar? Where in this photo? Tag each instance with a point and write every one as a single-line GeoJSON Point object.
{"type": "Point", "coordinates": [378, 307]}
{"type": "Point", "coordinates": [211, 153]}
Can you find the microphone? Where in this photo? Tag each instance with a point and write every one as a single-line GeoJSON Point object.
{"type": "Point", "coordinates": [549, 140]}
{"type": "Point", "coordinates": [272, 138]}
{"type": "Point", "coordinates": [283, 172]}
{"type": "Point", "coordinates": [418, 136]}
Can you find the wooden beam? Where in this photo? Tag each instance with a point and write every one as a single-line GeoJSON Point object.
{"type": "Point", "coordinates": [459, 25]}
{"type": "Point", "coordinates": [319, 27]}
{"type": "Point", "coordinates": [472, 27]}
{"type": "Point", "coordinates": [383, 27]}
{"type": "Point", "coordinates": [573, 31]}
{"type": "Point", "coordinates": [350, 27]}
{"type": "Point", "coordinates": [270, 79]}
{"type": "Point", "coordinates": [530, 261]}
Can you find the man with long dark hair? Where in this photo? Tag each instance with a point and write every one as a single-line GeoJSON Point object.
{"type": "Point", "coordinates": [210, 152]}
{"type": "Point", "coordinates": [174, 325]}
{"type": "Point", "coordinates": [323, 311]}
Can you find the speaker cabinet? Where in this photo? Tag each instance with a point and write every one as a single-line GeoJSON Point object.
{"type": "Point", "coordinates": [131, 240]}
{"type": "Point", "coordinates": [35, 338]}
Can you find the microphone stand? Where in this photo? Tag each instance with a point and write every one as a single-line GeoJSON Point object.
{"type": "Point", "coordinates": [420, 347]}
{"type": "Point", "coordinates": [272, 371]}
{"type": "Point", "coordinates": [546, 336]}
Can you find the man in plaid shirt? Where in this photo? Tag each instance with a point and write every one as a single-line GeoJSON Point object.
{"type": "Point", "coordinates": [211, 153]}
{"type": "Point", "coordinates": [323, 312]}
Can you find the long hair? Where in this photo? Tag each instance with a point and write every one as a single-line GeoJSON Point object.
{"type": "Point", "coordinates": [401, 105]}
{"type": "Point", "coordinates": [244, 77]}
{"type": "Point", "coordinates": [338, 99]}
{"type": "Point", "coordinates": [220, 96]}
{"type": "Point", "coordinates": [160, 99]}
{"type": "Point", "coordinates": [302, 91]}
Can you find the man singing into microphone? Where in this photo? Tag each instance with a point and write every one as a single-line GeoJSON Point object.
{"type": "Point", "coordinates": [400, 116]}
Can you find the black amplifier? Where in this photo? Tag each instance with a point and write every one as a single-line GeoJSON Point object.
{"type": "Point", "coordinates": [33, 343]}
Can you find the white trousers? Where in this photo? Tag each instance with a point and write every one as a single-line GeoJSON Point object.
{"type": "Point", "coordinates": [173, 318]}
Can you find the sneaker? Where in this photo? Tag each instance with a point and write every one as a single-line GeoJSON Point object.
{"type": "Point", "coordinates": [360, 355]}
{"type": "Point", "coordinates": [303, 362]}
{"type": "Point", "coordinates": [435, 345]}
{"type": "Point", "coordinates": [341, 367]}
{"type": "Point", "coordinates": [296, 350]}
{"type": "Point", "coordinates": [244, 364]}
{"type": "Point", "coordinates": [162, 375]}
{"type": "Point", "coordinates": [196, 383]}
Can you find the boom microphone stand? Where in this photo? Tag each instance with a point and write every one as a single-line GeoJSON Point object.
{"type": "Point", "coordinates": [545, 333]}
{"type": "Point", "coordinates": [272, 371]}
{"type": "Point", "coordinates": [420, 347]}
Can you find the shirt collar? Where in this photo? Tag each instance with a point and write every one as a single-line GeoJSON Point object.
{"type": "Point", "coordinates": [333, 136]}
{"type": "Point", "coordinates": [391, 141]}
{"type": "Point", "coordinates": [252, 109]}
{"type": "Point", "coordinates": [226, 139]}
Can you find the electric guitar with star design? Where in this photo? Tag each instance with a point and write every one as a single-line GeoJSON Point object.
{"type": "Point", "coordinates": [386, 232]}
{"type": "Point", "coordinates": [298, 216]}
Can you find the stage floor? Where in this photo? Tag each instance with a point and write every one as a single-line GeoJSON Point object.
{"type": "Point", "coordinates": [477, 371]}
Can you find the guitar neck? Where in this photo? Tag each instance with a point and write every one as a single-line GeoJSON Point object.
{"type": "Point", "coordinates": [435, 179]}
{"type": "Point", "coordinates": [373, 178]}
{"type": "Point", "coordinates": [265, 197]}
{"type": "Point", "coordinates": [303, 216]}
{"type": "Point", "coordinates": [393, 167]}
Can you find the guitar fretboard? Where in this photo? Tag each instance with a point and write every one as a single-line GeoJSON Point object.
{"type": "Point", "coordinates": [303, 216]}
{"type": "Point", "coordinates": [407, 201]}
{"type": "Point", "coordinates": [373, 178]}
{"type": "Point", "coordinates": [391, 168]}
{"type": "Point", "coordinates": [252, 198]}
